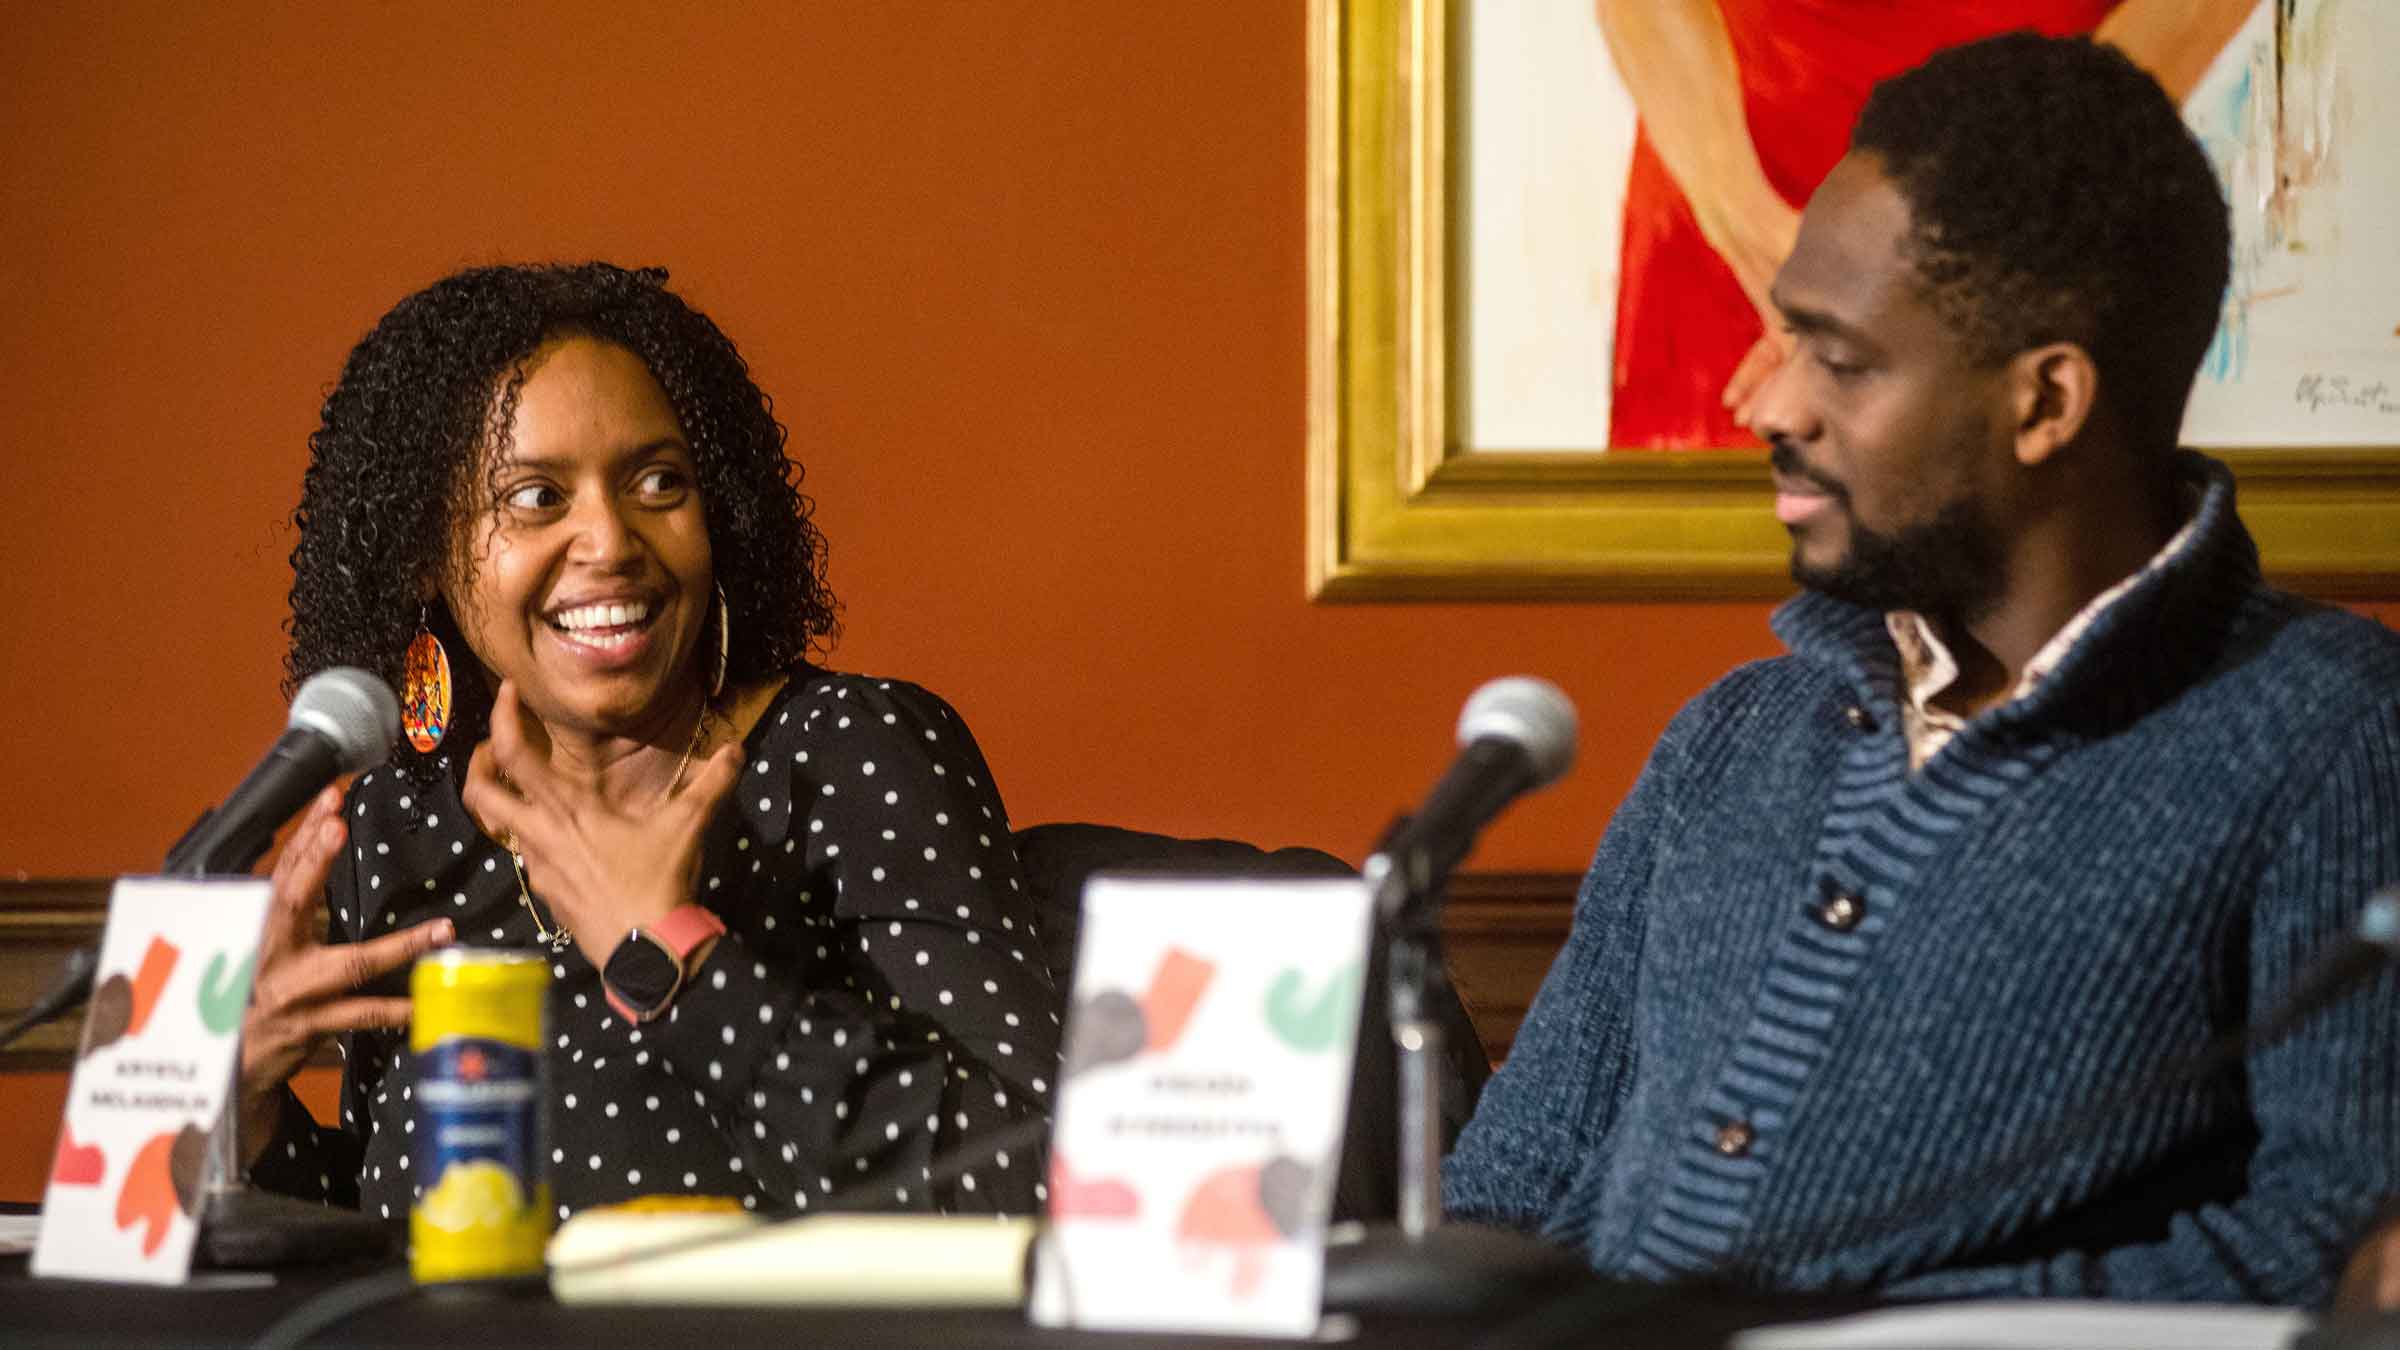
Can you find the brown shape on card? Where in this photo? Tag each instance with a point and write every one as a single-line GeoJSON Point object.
{"type": "Point", "coordinates": [187, 1163]}
{"type": "Point", "coordinates": [110, 1017]}
{"type": "Point", "coordinates": [1107, 1028]}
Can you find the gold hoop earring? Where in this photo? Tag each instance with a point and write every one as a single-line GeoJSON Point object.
{"type": "Point", "coordinates": [425, 689]}
{"type": "Point", "coordinates": [716, 678]}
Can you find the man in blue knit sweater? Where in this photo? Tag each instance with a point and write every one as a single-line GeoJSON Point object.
{"type": "Point", "coordinates": [2050, 793]}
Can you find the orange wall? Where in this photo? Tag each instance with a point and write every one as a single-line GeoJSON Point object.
{"type": "Point", "coordinates": [1024, 278]}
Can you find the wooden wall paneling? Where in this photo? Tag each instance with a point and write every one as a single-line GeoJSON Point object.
{"type": "Point", "coordinates": [41, 922]}
{"type": "Point", "coordinates": [1500, 930]}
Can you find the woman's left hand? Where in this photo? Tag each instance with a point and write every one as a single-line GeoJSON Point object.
{"type": "Point", "coordinates": [601, 869]}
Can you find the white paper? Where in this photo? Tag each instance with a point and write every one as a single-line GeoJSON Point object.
{"type": "Point", "coordinates": [1201, 1105]}
{"type": "Point", "coordinates": [2041, 1325]}
{"type": "Point", "coordinates": [151, 1073]}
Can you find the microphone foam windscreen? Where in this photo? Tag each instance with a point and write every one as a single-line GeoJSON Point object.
{"type": "Point", "coordinates": [1531, 712]}
{"type": "Point", "coordinates": [352, 709]}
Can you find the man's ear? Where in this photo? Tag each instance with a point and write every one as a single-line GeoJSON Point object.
{"type": "Point", "coordinates": [2053, 389]}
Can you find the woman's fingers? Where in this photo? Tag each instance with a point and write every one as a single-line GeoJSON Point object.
{"type": "Point", "coordinates": [276, 1049]}
{"type": "Point", "coordinates": [518, 798]}
{"type": "Point", "coordinates": [313, 992]}
{"type": "Point", "coordinates": [365, 962]}
{"type": "Point", "coordinates": [352, 1014]}
{"type": "Point", "coordinates": [298, 880]}
{"type": "Point", "coordinates": [507, 728]}
{"type": "Point", "coordinates": [711, 781]}
{"type": "Point", "coordinates": [327, 805]}
{"type": "Point", "coordinates": [326, 973]}
{"type": "Point", "coordinates": [521, 747]}
{"type": "Point", "coordinates": [490, 801]}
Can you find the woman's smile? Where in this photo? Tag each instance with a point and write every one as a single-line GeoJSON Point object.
{"type": "Point", "coordinates": [610, 633]}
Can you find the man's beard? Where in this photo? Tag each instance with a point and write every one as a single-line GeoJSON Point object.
{"type": "Point", "coordinates": [1948, 567]}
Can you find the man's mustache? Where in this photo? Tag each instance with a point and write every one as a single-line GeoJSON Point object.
{"type": "Point", "coordinates": [1786, 461]}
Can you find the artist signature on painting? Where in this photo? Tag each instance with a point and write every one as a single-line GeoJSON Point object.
{"type": "Point", "coordinates": [2319, 392]}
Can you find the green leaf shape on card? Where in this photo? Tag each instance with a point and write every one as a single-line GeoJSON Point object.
{"type": "Point", "coordinates": [1310, 1023]}
{"type": "Point", "coordinates": [224, 994]}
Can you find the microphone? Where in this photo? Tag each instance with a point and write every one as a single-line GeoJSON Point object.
{"type": "Point", "coordinates": [1514, 735]}
{"type": "Point", "coordinates": [343, 720]}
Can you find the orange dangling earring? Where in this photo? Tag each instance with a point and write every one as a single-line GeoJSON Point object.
{"type": "Point", "coordinates": [425, 690]}
{"type": "Point", "coordinates": [716, 676]}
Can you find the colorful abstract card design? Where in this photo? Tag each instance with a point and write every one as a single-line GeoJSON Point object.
{"type": "Point", "coordinates": [151, 1075]}
{"type": "Point", "coordinates": [1206, 1073]}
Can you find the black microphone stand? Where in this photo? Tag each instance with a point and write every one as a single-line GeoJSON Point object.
{"type": "Point", "coordinates": [1407, 901]}
{"type": "Point", "coordinates": [241, 1226]}
{"type": "Point", "coordinates": [70, 990]}
{"type": "Point", "coordinates": [1423, 1266]}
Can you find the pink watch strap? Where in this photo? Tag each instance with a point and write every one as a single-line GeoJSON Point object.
{"type": "Point", "coordinates": [686, 927]}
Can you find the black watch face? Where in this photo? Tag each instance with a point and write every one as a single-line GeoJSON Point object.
{"type": "Point", "coordinates": [641, 972]}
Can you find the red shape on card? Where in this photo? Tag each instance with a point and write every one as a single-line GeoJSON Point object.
{"type": "Point", "coordinates": [149, 1193]}
{"type": "Point", "coordinates": [78, 1164]}
{"type": "Point", "coordinates": [1224, 1207]}
{"type": "Point", "coordinates": [1175, 989]}
{"type": "Point", "coordinates": [1089, 1198]}
{"type": "Point", "coordinates": [158, 962]}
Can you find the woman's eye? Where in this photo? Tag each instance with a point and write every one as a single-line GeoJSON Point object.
{"type": "Point", "coordinates": [661, 482]}
{"type": "Point", "coordinates": [532, 497]}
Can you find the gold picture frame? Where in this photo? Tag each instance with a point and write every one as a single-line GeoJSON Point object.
{"type": "Point", "coordinates": [1397, 510]}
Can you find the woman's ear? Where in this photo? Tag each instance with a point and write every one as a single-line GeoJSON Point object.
{"type": "Point", "coordinates": [2053, 389]}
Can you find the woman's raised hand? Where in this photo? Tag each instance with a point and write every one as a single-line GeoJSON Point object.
{"type": "Point", "coordinates": [601, 868]}
{"type": "Point", "coordinates": [307, 989]}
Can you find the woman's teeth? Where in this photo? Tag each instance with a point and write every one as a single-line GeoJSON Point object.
{"type": "Point", "coordinates": [584, 618]}
{"type": "Point", "coordinates": [602, 626]}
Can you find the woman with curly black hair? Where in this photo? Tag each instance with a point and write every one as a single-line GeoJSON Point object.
{"type": "Point", "coordinates": [788, 946]}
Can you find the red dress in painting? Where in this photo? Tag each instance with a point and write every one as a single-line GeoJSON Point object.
{"type": "Point", "coordinates": [1806, 66]}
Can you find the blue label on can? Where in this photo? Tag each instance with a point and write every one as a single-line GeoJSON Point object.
{"type": "Point", "coordinates": [479, 1100]}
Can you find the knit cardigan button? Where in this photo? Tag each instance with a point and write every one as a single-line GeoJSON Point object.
{"type": "Point", "coordinates": [1733, 1138]}
{"type": "Point", "coordinates": [1842, 911]}
{"type": "Point", "coordinates": [1858, 718]}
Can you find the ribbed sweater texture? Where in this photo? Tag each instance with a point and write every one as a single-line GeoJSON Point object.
{"type": "Point", "coordinates": [1937, 1086]}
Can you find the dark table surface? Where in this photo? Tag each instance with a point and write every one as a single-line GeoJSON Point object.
{"type": "Point", "coordinates": [235, 1310]}
{"type": "Point", "coordinates": [1549, 1303]}
{"type": "Point", "coordinates": [232, 1310]}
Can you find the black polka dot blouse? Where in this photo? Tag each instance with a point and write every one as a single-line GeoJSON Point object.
{"type": "Point", "coordinates": [878, 1006]}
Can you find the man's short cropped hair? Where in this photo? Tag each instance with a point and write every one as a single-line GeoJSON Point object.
{"type": "Point", "coordinates": [2058, 196]}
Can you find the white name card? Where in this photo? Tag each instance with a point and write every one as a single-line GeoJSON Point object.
{"type": "Point", "coordinates": [1200, 1107]}
{"type": "Point", "coordinates": [151, 1075]}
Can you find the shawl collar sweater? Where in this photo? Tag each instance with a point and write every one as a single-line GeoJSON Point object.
{"type": "Point", "coordinates": [1824, 1023]}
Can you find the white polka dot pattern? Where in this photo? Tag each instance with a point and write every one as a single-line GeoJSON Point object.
{"type": "Point", "coordinates": [803, 1051]}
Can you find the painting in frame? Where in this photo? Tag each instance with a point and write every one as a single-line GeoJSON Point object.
{"type": "Point", "coordinates": [1463, 289]}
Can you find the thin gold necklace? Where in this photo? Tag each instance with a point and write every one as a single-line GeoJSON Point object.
{"type": "Point", "coordinates": [559, 939]}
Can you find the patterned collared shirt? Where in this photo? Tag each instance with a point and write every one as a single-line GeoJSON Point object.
{"type": "Point", "coordinates": [1927, 667]}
